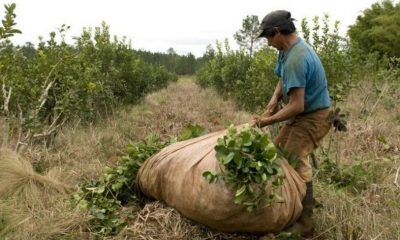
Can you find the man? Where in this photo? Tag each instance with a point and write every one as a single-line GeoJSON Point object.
{"type": "Point", "coordinates": [302, 86]}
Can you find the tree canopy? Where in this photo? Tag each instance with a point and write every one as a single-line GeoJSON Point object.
{"type": "Point", "coordinates": [247, 36]}
{"type": "Point", "coordinates": [377, 30]}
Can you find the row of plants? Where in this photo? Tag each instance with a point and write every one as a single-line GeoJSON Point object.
{"type": "Point", "coordinates": [234, 74]}
{"type": "Point", "coordinates": [249, 78]}
{"type": "Point", "coordinates": [173, 62]}
{"type": "Point", "coordinates": [45, 86]}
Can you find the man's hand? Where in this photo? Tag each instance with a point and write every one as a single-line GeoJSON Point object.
{"type": "Point", "coordinates": [294, 107]}
{"type": "Point", "coordinates": [260, 122]}
{"type": "Point", "coordinates": [255, 122]}
{"type": "Point", "coordinates": [271, 108]}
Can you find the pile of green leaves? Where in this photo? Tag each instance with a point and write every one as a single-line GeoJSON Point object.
{"type": "Point", "coordinates": [104, 198]}
{"type": "Point", "coordinates": [250, 162]}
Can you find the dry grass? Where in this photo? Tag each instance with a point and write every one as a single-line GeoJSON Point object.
{"type": "Point", "coordinates": [21, 222]}
{"type": "Point", "coordinates": [369, 215]}
{"type": "Point", "coordinates": [157, 221]}
{"type": "Point", "coordinates": [81, 152]}
{"type": "Point", "coordinates": [32, 205]}
{"type": "Point", "coordinates": [372, 140]}
{"type": "Point", "coordinates": [18, 180]}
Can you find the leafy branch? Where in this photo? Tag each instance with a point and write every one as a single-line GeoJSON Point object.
{"type": "Point", "coordinates": [8, 30]}
{"type": "Point", "coordinates": [249, 160]}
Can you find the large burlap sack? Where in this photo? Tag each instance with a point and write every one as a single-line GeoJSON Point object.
{"type": "Point", "coordinates": [174, 175]}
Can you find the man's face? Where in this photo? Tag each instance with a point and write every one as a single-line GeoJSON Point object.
{"type": "Point", "coordinates": [274, 41]}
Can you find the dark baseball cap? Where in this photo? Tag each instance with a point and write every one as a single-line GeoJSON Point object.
{"type": "Point", "coordinates": [272, 20]}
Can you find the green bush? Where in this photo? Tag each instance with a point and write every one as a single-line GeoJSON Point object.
{"type": "Point", "coordinates": [234, 74]}
{"type": "Point", "coordinates": [260, 82]}
{"type": "Point", "coordinates": [355, 177]}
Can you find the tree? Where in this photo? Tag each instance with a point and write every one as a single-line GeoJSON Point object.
{"type": "Point", "coordinates": [247, 36]}
{"type": "Point", "coordinates": [377, 30]}
{"type": "Point", "coordinates": [209, 53]}
{"type": "Point", "coordinates": [28, 50]}
{"type": "Point", "coordinates": [8, 30]}
{"type": "Point", "coordinates": [171, 51]}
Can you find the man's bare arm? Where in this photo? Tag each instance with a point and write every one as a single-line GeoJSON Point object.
{"type": "Point", "coordinates": [272, 106]}
{"type": "Point", "coordinates": [293, 108]}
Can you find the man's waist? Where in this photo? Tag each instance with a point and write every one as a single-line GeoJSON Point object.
{"type": "Point", "coordinates": [313, 111]}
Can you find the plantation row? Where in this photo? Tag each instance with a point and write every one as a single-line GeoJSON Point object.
{"type": "Point", "coordinates": [43, 87]}
{"type": "Point", "coordinates": [250, 80]}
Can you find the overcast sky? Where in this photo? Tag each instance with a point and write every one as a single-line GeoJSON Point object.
{"type": "Point", "coordinates": [156, 25]}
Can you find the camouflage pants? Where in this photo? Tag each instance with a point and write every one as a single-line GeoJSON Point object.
{"type": "Point", "coordinates": [302, 136]}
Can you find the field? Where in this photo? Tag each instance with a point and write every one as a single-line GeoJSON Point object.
{"type": "Point", "coordinates": [356, 180]}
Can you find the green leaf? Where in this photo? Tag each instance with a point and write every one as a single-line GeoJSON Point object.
{"type": "Point", "coordinates": [13, 31]}
{"type": "Point", "coordinates": [231, 143]}
{"type": "Point", "coordinates": [116, 186]}
{"type": "Point", "coordinates": [257, 178]}
{"type": "Point", "coordinates": [264, 177]}
{"type": "Point", "coordinates": [250, 189]}
{"type": "Point", "coordinates": [240, 191]}
{"type": "Point", "coordinates": [246, 137]}
{"type": "Point", "coordinates": [250, 208]}
{"type": "Point", "coordinates": [220, 148]}
{"type": "Point", "coordinates": [191, 131]}
{"type": "Point", "coordinates": [232, 129]}
{"type": "Point", "coordinates": [220, 156]}
{"type": "Point", "coordinates": [239, 199]}
{"type": "Point", "coordinates": [100, 189]}
{"type": "Point", "coordinates": [264, 142]}
{"type": "Point", "coordinates": [246, 149]}
{"type": "Point", "coordinates": [238, 161]}
{"type": "Point", "coordinates": [229, 158]}
{"type": "Point", "coordinates": [210, 176]}
{"type": "Point", "coordinates": [269, 169]}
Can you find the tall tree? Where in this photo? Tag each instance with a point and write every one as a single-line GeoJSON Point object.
{"type": "Point", "coordinates": [377, 30]}
{"type": "Point", "coordinates": [247, 36]}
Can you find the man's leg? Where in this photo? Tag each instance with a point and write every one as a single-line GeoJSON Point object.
{"type": "Point", "coordinates": [301, 145]}
{"type": "Point", "coordinates": [283, 134]}
{"type": "Point", "coordinates": [305, 135]}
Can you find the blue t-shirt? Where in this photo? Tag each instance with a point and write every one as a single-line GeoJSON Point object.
{"type": "Point", "coordinates": [300, 67]}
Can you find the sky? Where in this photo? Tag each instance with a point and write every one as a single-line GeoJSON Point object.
{"type": "Point", "coordinates": [157, 25]}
